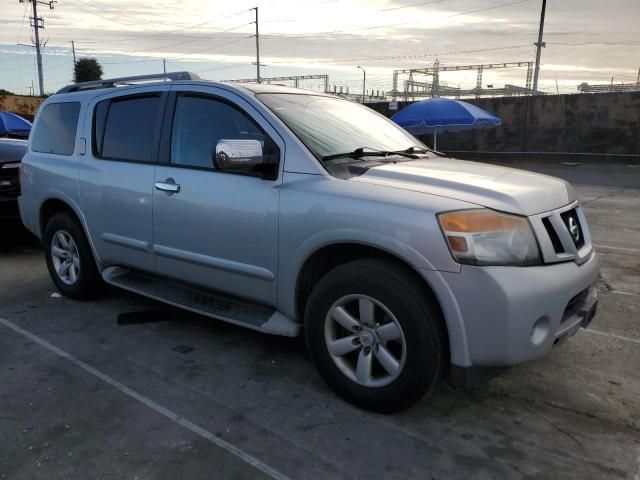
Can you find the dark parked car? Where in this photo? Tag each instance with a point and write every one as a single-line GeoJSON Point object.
{"type": "Point", "coordinates": [11, 153]}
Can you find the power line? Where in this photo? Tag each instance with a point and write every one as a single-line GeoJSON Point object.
{"type": "Point", "coordinates": [200, 50]}
{"type": "Point", "coordinates": [581, 44]}
{"type": "Point", "coordinates": [135, 19]}
{"type": "Point", "coordinates": [351, 29]}
{"type": "Point", "coordinates": [94, 12]}
{"type": "Point", "coordinates": [488, 8]}
{"type": "Point", "coordinates": [410, 6]}
{"type": "Point", "coordinates": [192, 39]}
{"type": "Point", "coordinates": [168, 32]}
{"type": "Point", "coordinates": [408, 57]}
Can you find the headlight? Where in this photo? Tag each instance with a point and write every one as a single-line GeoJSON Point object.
{"type": "Point", "coordinates": [486, 237]}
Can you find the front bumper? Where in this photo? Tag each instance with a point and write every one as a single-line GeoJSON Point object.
{"type": "Point", "coordinates": [510, 315]}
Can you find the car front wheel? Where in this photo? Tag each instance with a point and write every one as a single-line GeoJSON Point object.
{"type": "Point", "coordinates": [375, 335]}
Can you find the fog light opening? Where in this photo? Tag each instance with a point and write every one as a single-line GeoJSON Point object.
{"type": "Point", "coordinates": [540, 331]}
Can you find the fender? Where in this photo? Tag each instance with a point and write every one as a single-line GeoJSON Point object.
{"type": "Point", "coordinates": [289, 276]}
{"type": "Point", "coordinates": [72, 204]}
{"type": "Point", "coordinates": [289, 272]}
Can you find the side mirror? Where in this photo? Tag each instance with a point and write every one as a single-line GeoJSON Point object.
{"type": "Point", "coordinates": [238, 154]}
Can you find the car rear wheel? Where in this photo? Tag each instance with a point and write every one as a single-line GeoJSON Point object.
{"type": "Point", "coordinates": [375, 335]}
{"type": "Point", "coordinates": [69, 258]}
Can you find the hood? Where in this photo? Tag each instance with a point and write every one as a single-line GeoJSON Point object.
{"type": "Point", "coordinates": [500, 188]}
{"type": "Point", "coordinates": [12, 150]}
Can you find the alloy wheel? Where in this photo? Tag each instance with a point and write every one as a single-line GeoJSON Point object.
{"type": "Point", "coordinates": [365, 340]}
{"type": "Point", "coordinates": [65, 257]}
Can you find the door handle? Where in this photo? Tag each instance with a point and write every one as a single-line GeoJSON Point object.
{"type": "Point", "coordinates": [169, 185]}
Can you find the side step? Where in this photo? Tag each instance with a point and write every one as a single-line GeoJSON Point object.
{"type": "Point", "coordinates": [239, 312]}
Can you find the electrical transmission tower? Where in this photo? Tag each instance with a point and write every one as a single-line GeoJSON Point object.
{"type": "Point", "coordinates": [37, 23]}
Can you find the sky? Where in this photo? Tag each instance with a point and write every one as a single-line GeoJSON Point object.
{"type": "Point", "coordinates": [586, 40]}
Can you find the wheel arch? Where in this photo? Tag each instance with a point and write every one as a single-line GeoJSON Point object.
{"type": "Point", "coordinates": [326, 258]}
{"type": "Point", "coordinates": [53, 205]}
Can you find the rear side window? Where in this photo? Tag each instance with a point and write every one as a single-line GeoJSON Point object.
{"type": "Point", "coordinates": [126, 128]}
{"type": "Point", "coordinates": [55, 131]}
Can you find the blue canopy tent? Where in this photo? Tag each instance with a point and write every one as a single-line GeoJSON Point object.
{"type": "Point", "coordinates": [436, 115]}
{"type": "Point", "coordinates": [15, 125]}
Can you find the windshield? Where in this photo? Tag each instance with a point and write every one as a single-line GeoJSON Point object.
{"type": "Point", "coordinates": [330, 126]}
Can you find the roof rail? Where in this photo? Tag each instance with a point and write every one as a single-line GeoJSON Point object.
{"type": "Point", "coordinates": [112, 82]}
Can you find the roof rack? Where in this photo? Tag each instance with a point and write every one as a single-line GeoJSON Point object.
{"type": "Point", "coordinates": [112, 82]}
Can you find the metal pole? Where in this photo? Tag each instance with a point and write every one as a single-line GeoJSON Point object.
{"type": "Point", "coordinates": [36, 27]}
{"type": "Point", "coordinates": [539, 46]}
{"type": "Point", "coordinates": [73, 49]}
{"type": "Point", "coordinates": [364, 81]}
{"type": "Point", "coordinates": [164, 65]}
{"type": "Point", "coordinates": [257, 48]}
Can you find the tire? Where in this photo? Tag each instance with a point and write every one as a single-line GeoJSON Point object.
{"type": "Point", "coordinates": [407, 324]}
{"type": "Point", "coordinates": [82, 279]}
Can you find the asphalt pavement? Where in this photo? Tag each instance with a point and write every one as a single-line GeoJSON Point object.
{"type": "Point", "coordinates": [82, 397]}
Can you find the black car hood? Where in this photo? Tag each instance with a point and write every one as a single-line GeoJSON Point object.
{"type": "Point", "coordinates": [12, 150]}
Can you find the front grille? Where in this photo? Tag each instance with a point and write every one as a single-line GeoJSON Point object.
{"type": "Point", "coordinates": [554, 232]}
{"type": "Point", "coordinates": [553, 235]}
{"type": "Point", "coordinates": [572, 222]}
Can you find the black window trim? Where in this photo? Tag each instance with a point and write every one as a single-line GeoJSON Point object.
{"type": "Point", "coordinates": [75, 135]}
{"type": "Point", "coordinates": [155, 152]}
{"type": "Point", "coordinates": [167, 134]}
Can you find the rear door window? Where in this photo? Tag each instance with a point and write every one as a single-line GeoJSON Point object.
{"type": "Point", "coordinates": [55, 131]}
{"type": "Point", "coordinates": [127, 128]}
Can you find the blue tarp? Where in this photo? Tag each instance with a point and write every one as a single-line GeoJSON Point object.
{"type": "Point", "coordinates": [437, 115]}
{"type": "Point", "coordinates": [13, 124]}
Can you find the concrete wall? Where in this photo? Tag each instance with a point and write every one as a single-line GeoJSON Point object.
{"type": "Point", "coordinates": [604, 123]}
{"type": "Point", "coordinates": [20, 104]}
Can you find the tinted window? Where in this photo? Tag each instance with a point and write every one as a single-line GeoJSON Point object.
{"type": "Point", "coordinates": [55, 131]}
{"type": "Point", "coordinates": [129, 129]}
{"type": "Point", "coordinates": [199, 123]}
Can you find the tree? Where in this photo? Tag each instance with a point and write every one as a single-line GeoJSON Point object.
{"type": "Point", "coordinates": [87, 70]}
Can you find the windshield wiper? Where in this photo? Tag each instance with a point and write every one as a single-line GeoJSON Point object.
{"type": "Point", "coordinates": [372, 152]}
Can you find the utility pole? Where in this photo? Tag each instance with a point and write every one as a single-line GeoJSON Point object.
{"type": "Point", "coordinates": [38, 23]}
{"type": "Point", "coordinates": [164, 65]}
{"type": "Point", "coordinates": [258, 79]}
{"type": "Point", "coordinates": [364, 82]}
{"type": "Point", "coordinates": [539, 46]}
{"type": "Point", "coordinates": [73, 49]}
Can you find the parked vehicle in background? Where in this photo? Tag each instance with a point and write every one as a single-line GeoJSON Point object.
{"type": "Point", "coordinates": [277, 209]}
{"type": "Point", "coordinates": [14, 126]}
{"type": "Point", "coordinates": [11, 153]}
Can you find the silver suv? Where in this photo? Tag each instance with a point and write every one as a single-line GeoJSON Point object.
{"type": "Point", "coordinates": [284, 210]}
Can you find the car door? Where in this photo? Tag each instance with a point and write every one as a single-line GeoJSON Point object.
{"type": "Point", "coordinates": [116, 178]}
{"type": "Point", "coordinates": [214, 228]}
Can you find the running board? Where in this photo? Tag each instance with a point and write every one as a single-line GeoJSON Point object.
{"type": "Point", "coordinates": [239, 312]}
